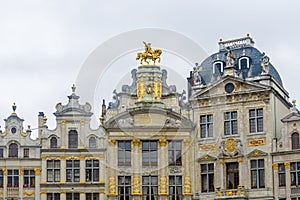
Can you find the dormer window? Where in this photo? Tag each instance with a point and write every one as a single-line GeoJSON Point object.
{"type": "Point", "coordinates": [295, 141]}
{"type": "Point", "coordinates": [244, 63]}
{"type": "Point", "coordinates": [13, 150]}
{"type": "Point", "coordinates": [92, 142]}
{"type": "Point", "coordinates": [73, 139]}
{"type": "Point", "coordinates": [53, 143]}
{"type": "Point", "coordinates": [218, 67]}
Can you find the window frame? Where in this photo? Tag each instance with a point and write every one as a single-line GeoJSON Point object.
{"type": "Point", "coordinates": [93, 143]}
{"type": "Point", "coordinates": [94, 196]}
{"type": "Point", "coordinates": [295, 140]}
{"type": "Point", "coordinates": [232, 174]}
{"type": "Point", "coordinates": [72, 171]}
{"type": "Point", "coordinates": [150, 187]}
{"type": "Point", "coordinates": [53, 196]}
{"type": "Point", "coordinates": [53, 170]}
{"type": "Point", "coordinates": [175, 187]}
{"type": "Point", "coordinates": [73, 139]}
{"type": "Point", "coordinates": [175, 147]}
{"type": "Point", "coordinates": [13, 180]}
{"type": "Point", "coordinates": [207, 125]}
{"type": "Point", "coordinates": [93, 169]}
{"type": "Point", "coordinates": [281, 175]}
{"type": "Point", "coordinates": [29, 177]}
{"type": "Point", "coordinates": [240, 62]}
{"type": "Point", "coordinates": [53, 143]}
{"type": "Point", "coordinates": [257, 121]}
{"type": "Point", "coordinates": [295, 171]}
{"type": "Point", "coordinates": [72, 196]}
{"type": "Point", "coordinates": [258, 180]}
{"type": "Point", "coordinates": [124, 189]}
{"type": "Point", "coordinates": [26, 152]}
{"type": "Point", "coordinates": [221, 68]}
{"type": "Point", "coordinates": [207, 175]}
{"type": "Point", "coordinates": [13, 150]}
{"type": "Point", "coordinates": [149, 155]}
{"type": "Point", "coordinates": [124, 153]}
{"type": "Point", "coordinates": [232, 122]}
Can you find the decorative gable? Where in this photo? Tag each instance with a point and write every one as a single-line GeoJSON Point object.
{"type": "Point", "coordinates": [257, 153]}
{"type": "Point", "coordinates": [207, 158]}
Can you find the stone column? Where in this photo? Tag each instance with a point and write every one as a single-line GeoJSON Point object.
{"type": "Point", "coordinates": [82, 169]}
{"type": "Point", "coordinates": [112, 165]}
{"type": "Point", "coordinates": [4, 182]}
{"type": "Point", "coordinates": [43, 195]}
{"type": "Point", "coordinates": [276, 180]}
{"type": "Point", "coordinates": [37, 172]}
{"type": "Point", "coordinates": [102, 170]}
{"type": "Point", "coordinates": [136, 186]}
{"type": "Point", "coordinates": [63, 130]}
{"type": "Point", "coordinates": [63, 196]}
{"type": "Point", "coordinates": [82, 195]}
{"type": "Point", "coordinates": [187, 169]}
{"type": "Point", "coordinates": [81, 136]}
{"type": "Point", "coordinates": [163, 168]}
{"type": "Point", "coordinates": [63, 167]}
{"type": "Point", "coordinates": [287, 166]}
{"type": "Point", "coordinates": [44, 172]}
{"type": "Point", "coordinates": [21, 182]}
{"type": "Point", "coordinates": [222, 175]}
{"type": "Point", "coordinates": [102, 194]}
{"type": "Point", "coordinates": [242, 172]}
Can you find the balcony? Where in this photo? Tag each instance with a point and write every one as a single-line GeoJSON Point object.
{"type": "Point", "coordinates": [13, 192]}
{"type": "Point", "coordinates": [239, 193]}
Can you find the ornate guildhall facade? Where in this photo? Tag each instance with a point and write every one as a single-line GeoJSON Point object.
{"type": "Point", "coordinates": [235, 136]}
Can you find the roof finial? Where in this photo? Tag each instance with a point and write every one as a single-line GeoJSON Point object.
{"type": "Point", "coordinates": [248, 35]}
{"type": "Point", "coordinates": [221, 39]}
{"type": "Point", "coordinates": [14, 107]}
{"type": "Point", "coordinates": [73, 88]}
{"type": "Point", "coordinates": [294, 102]}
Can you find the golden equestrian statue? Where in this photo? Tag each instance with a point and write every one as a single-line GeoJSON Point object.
{"type": "Point", "coordinates": [149, 54]}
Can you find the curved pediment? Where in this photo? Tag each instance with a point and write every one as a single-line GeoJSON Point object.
{"type": "Point", "coordinates": [147, 118]}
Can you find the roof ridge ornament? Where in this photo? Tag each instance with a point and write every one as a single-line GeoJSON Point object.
{"type": "Point", "coordinates": [14, 108]}
{"type": "Point", "coordinates": [73, 88]}
{"type": "Point", "coordinates": [236, 43]}
{"type": "Point", "coordinates": [149, 55]}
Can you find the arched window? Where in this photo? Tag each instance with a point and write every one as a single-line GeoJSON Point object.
{"type": "Point", "coordinates": [73, 139]}
{"type": "Point", "coordinates": [92, 142]}
{"type": "Point", "coordinates": [244, 63]}
{"type": "Point", "coordinates": [295, 141]}
{"type": "Point", "coordinates": [218, 67]}
{"type": "Point", "coordinates": [53, 142]}
{"type": "Point", "coordinates": [13, 150]}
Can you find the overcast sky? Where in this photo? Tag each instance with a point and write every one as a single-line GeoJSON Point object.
{"type": "Point", "coordinates": [43, 44]}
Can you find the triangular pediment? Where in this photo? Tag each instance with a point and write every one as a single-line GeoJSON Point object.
{"type": "Point", "coordinates": [206, 158]}
{"type": "Point", "coordinates": [294, 116]}
{"type": "Point", "coordinates": [240, 86]}
{"type": "Point", "coordinates": [256, 153]}
{"type": "Point", "coordinates": [145, 118]}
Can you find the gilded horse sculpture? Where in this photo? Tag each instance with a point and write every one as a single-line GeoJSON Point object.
{"type": "Point", "coordinates": [149, 54]}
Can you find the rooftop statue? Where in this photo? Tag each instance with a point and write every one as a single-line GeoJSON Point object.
{"type": "Point", "coordinates": [149, 54]}
{"type": "Point", "coordinates": [229, 58]}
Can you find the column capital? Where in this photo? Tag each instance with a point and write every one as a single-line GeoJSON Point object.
{"type": "Point", "coordinates": [21, 171]}
{"type": "Point", "coordinates": [37, 171]}
{"type": "Point", "coordinates": [162, 142]}
{"type": "Point", "coordinates": [275, 166]}
{"type": "Point", "coordinates": [287, 165]}
{"type": "Point", "coordinates": [136, 142]}
{"type": "Point", "coordinates": [112, 142]}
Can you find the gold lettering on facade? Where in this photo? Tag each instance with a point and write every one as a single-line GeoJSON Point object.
{"type": "Point", "coordinates": [257, 142]}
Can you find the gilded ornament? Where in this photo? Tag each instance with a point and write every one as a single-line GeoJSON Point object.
{"type": "Point", "coordinates": [23, 134]}
{"type": "Point", "coordinates": [136, 142]}
{"type": "Point", "coordinates": [230, 145]}
{"type": "Point", "coordinates": [28, 193]}
{"type": "Point", "coordinates": [275, 166]}
{"type": "Point", "coordinates": [37, 171]}
{"type": "Point", "coordinates": [112, 185]}
{"type": "Point", "coordinates": [4, 171]}
{"type": "Point", "coordinates": [21, 171]}
{"type": "Point", "coordinates": [287, 165]}
{"type": "Point", "coordinates": [102, 191]}
{"type": "Point", "coordinates": [163, 185]}
{"type": "Point", "coordinates": [112, 142]}
{"type": "Point", "coordinates": [149, 54]}
{"type": "Point", "coordinates": [157, 89]}
{"type": "Point", "coordinates": [162, 142]}
{"type": "Point", "coordinates": [63, 122]}
{"type": "Point", "coordinates": [136, 184]}
{"type": "Point", "coordinates": [102, 157]}
{"type": "Point", "coordinates": [186, 142]}
{"type": "Point", "coordinates": [81, 158]}
{"type": "Point", "coordinates": [140, 89]}
{"type": "Point", "coordinates": [187, 185]}
{"type": "Point", "coordinates": [257, 142]}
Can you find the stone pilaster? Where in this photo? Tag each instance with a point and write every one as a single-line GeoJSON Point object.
{"type": "Point", "coordinates": [82, 196]}
{"type": "Point", "coordinates": [44, 172]}
{"type": "Point", "coordinates": [163, 163]}
{"type": "Point", "coordinates": [102, 169]}
{"type": "Point", "coordinates": [21, 181]}
{"type": "Point", "coordinates": [82, 169]}
{"type": "Point", "coordinates": [222, 174]}
{"type": "Point", "coordinates": [287, 166]}
{"type": "Point", "coordinates": [63, 167]}
{"type": "Point", "coordinates": [276, 180]}
{"type": "Point", "coordinates": [43, 195]}
{"type": "Point", "coordinates": [63, 196]}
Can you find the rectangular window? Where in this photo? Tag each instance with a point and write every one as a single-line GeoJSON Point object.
{"type": "Point", "coordinates": [53, 196]}
{"type": "Point", "coordinates": [72, 196]}
{"type": "Point", "coordinates": [175, 188]}
{"type": "Point", "coordinates": [1, 153]}
{"type": "Point", "coordinates": [124, 187]}
{"type": "Point", "coordinates": [53, 170]}
{"type": "Point", "coordinates": [13, 178]}
{"type": "Point", "coordinates": [230, 123]}
{"type": "Point", "coordinates": [232, 175]}
{"type": "Point", "coordinates": [92, 170]}
{"type": "Point", "coordinates": [26, 153]}
{"type": "Point", "coordinates": [150, 187]}
{"type": "Point", "coordinates": [281, 174]}
{"type": "Point", "coordinates": [295, 173]}
{"type": "Point", "coordinates": [257, 174]}
{"type": "Point", "coordinates": [295, 198]}
{"type": "Point", "coordinates": [92, 196]}
{"type": "Point", "coordinates": [206, 126]}
{"type": "Point", "coordinates": [207, 177]}
{"type": "Point", "coordinates": [175, 148]}
{"type": "Point", "coordinates": [149, 153]}
{"type": "Point", "coordinates": [1, 178]}
{"type": "Point", "coordinates": [73, 171]}
{"type": "Point", "coordinates": [124, 153]}
{"type": "Point", "coordinates": [29, 179]}
{"type": "Point", "coordinates": [256, 120]}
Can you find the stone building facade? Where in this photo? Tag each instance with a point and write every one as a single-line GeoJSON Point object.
{"type": "Point", "coordinates": [235, 136]}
